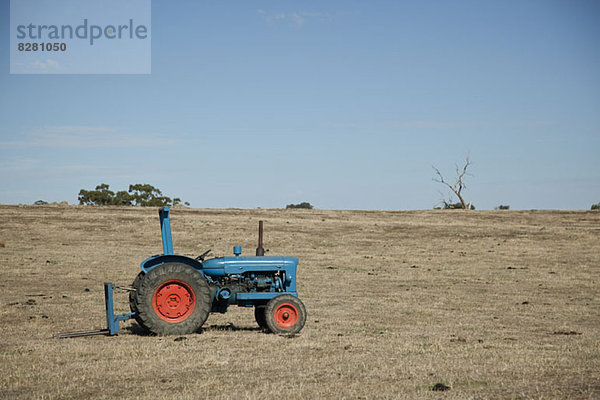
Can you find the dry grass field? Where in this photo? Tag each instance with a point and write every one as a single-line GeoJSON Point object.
{"type": "Point", "coordinates": [492, 304]}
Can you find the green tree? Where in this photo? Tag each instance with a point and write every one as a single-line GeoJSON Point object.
{"type": "Point", "coordinates": [122, 198]}
{"type": "Point", "coordinates": [144, 195]}
{"type": "Point", "coordinates": [148, 196]}
{"type": "Point", "coordinates": [102, 196]}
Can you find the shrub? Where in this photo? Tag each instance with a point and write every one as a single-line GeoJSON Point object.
{"type": "Point", "coordinates": [503, 207]}
{"type": "Point", "coordinates": [595, 206]}
{"type": "Point", "coordinates": [457, 206]}
{"type": "Point", "coordinates": [304, 204]}
{"type": "Point", "coordinates": [40, 203]}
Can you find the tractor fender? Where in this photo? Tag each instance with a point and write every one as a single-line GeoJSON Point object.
{"type": "Point", "coordinates": [154, 261]}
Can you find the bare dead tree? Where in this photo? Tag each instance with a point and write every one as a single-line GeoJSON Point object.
{"type": "Point", "coordinates": [459, 183]}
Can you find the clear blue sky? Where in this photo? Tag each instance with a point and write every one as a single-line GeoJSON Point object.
{"type": "Point", "coordinates": [345, 104]}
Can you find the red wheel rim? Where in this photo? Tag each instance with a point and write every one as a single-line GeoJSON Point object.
{"type": "Point", "coordinates": [173, 301]}
{"type": "Point", "coordinates": [286, 315]}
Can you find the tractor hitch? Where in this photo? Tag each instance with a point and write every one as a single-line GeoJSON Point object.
{"type": "Point", "coordinates": [112, 320]}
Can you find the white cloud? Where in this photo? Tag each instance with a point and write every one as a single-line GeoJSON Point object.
{"type": "Point", "coordinates": [405, 124]}
{"type": "Point", "coordinates": [84, 136]}
{"type": "Point", "coordinates": [47, 65]}
{"type": "Point", "coordinates": [431, 124]}
{"type": "Point", "coordinates": [530, 123]}
{"type": "Point", "coordinates": [24, 170]}
{"type": "Point", "coordinates": [427, 124]}
{"type": "Point", "coordinates": [52, 63]}
{"type": "Point", "coordinates": [295, 18]}
{"type": "Point", "coordinates": [270, 18]}
{"type": "Point", "coordinates": [19, 164]}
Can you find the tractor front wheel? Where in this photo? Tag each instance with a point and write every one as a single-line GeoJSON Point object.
{"type": "Point", "coordinates": [285, 315]}
{"type": "Point", "coordinates": [171, 299]}
{"type": "Point", "coordinates": [260, 317]}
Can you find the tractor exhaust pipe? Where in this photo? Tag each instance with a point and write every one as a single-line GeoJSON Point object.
{"type": "Point", "coordinates": [260, 251]}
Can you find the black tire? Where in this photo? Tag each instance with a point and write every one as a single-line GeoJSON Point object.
{"type": "Point", "coordinates": [285, 315]}
{"type": "Point", "coordinates": [260, 317]}
{"type": "Point", "coordinates": [172, 299]}
{"type": "Point", "coordinates": [137, 282]}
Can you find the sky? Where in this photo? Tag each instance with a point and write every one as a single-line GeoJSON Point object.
{"type": "Point", "coordinates": [343, 104]}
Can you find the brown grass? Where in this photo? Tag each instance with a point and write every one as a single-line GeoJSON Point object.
{"type": "Point", "coordinates": [493, 304]}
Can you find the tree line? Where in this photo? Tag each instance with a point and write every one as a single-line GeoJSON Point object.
{"type": "Point", "coordinates": [143, 195]}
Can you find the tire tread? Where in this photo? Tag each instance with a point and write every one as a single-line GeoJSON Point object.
{"type": "Point", "coordinates": [141, 303]}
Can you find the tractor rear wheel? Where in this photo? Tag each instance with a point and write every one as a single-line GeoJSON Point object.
{"type": "Point", "coordinates": [285, 315]}
{"type": "Point", "coordinates": [172, 299]}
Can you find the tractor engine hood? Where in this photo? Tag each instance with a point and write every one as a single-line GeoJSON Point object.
{"type": "Point", "coordinates": [238, 265]}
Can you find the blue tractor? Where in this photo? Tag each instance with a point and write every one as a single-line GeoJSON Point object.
{"type": "Point", "coordinates": [174, 294]}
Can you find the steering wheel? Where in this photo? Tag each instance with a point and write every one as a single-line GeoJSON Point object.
{"type": "Point", "coordinates": [201, 256]}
